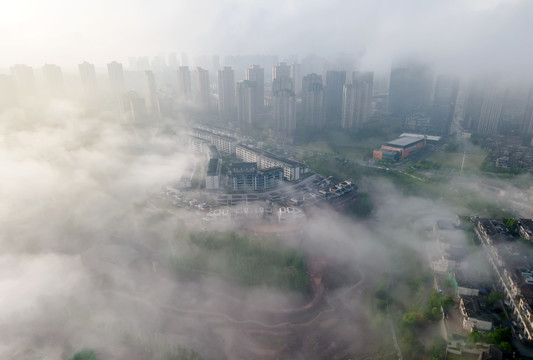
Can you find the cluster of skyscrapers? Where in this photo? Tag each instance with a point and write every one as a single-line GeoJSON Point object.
{"type": "Point", "coordinates": [482, 104]}
{"type": "Point", "coordinates": [153, 90]}
{"type": "Point", "coordinates": [293, 98]}
{"type": "Point", "coordinates": [248, 100]}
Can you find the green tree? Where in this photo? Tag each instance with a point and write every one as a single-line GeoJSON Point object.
{"type": "Point", "coordinates": [413, 319]}
{"type": "Point", "coordinates": [500, 335]}
{"type": "Point", "coordinates": [452, 147]}
{"type": "Point", "coordinates": [447, 302]}
{"type": "Point", "coordinates": [437, 351]}
{"type": "Point", "coordinates": [494, 297]}
{"type": "Point", "coordinates": [505, 345]}
{"type": "Point", "coordinates": [511, 225]}
{"type": "Point", "coordinates": [475, 336]}
{"type": "Point", "coordinates": [84, 354]}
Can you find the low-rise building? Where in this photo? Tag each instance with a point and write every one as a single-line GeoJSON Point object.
{"type": "Point", "coordinates": [245, 176]}
{"type": "Point", "coordinates": [247, 154]}
{"type": "Point", "coordinates": [475, 314]}
{"type": "Point", "coordinates": [217, 130]}
{"type": "Point", "coordinates": [199, 145]}
{"type": "Point", "coordinates": [265, 160]}
{"type": "Point", "coordinates": [224, 143]}
{"type": "Point", "coordinates": [429, 138]}
{"type": "Point", "coordinates": [185, 181]}
{"type": "Point", "coordinates": [450, 247]}
{"type": "Point", "coordinates": [289, 214]}
{"type": "Point", "coordinates": [212, 179]}
{"type": "Point", "coordinates": [525, 228]}
{"type": "Point", "coordinates": [470, 283]}
{"type": "Point", "coordinates": [525, 307]}
{"type": "Point", "coordinates": [399, 149]}
{"type": "Point", "coordinates": [512, 268]}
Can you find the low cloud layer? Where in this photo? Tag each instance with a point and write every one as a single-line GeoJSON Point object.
{"type": "Point", "coordinates": [85, 248]}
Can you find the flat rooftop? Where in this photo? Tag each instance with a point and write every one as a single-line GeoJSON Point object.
{"type": "Point", "coordinates": [404, 141]}
{"type": "Point", "coordinates": [420, 136]}
{"type": "Point", "coordinates": [526, 223]}
{"type": "Point", "coordinates": [243, 167]}
{"type": "Point", "coordinates": [220, 136]}
{"type": "Point", "coordinates": [271, 156]}
{"type": "Point", "coordinates": [476, 308]}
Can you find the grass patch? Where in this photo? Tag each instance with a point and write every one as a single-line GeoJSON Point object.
{"type": "Point", "coordinates": [317, 147]}
{"type": "Point", "coordinates": [249, 262]}
{"type": "Point", "coordinates": [454, 160]}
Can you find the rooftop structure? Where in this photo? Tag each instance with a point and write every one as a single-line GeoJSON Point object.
{"type": "Point", "coordinates": [404, 142]}
{"type": "Point", "coordinates": [217, 130]}
{"type": "Point", "coordinates": [400, 148]}
{"type": "Point", "coordinates": [288, 214]}
{"type": "Point", "coordinates": [470, 283]}
{"type": "Point", "coordinates": [525, 227]}
{"type": "Point", "coordinates": [212, 179]}
{"type": "Point", "coordinates": [243, 167]}
{"type": "Point", "coordinates": [224, 143]}
{"type": "Point", "coordinates": [199, 144]}
{"type": "Point", "coordinates": [265, 160]}
{"type": "Point", "coordinates": [212, 166]}
{"type": "Point", "coordinates": [230, 215]}
{"type": "Point", "coordinates": [185, 181]}
{"type": "Point", "coordinates": [213, 152]}
{"type": "Point", "coordinates": [512, 267]}
{"type": "Point", "coordinates": [422, 136]}
{"type": "Point", "coordinates": [475, 314]}
{"type": "Point", "coordinates": [245, 176]}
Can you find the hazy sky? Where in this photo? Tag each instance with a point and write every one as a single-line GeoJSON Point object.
{"type": "Point", "coordinates": [452, 33]}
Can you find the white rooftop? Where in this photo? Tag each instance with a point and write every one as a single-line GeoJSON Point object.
{"type": "Point", "coordinates": [421, 136]}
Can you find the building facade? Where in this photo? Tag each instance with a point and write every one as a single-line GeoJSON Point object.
{"type": "Point", "coordinates": [246, 177]}
{"type": "Point", "coordinates": [212, 178]}
{"type": "Point", "coordinates": [265, 160]}
{"type": "Point", "coordinates": [150, 93]}
{"type": "Point", "coordinates": [24, 80]}
{"type": "Point", "coordinates": [225, 144]}
{"type": "Point", "coordinates": [281, 69]}
{"type": "Point", "coordinates": [256, 74]}
{"type": "Point", "coordinates": [313, 101]}
{"type": "Point", "coordinates": [115, 72]}
{"type": "Point", "coordinates": [89, 83]}
{"type": "Point", "coordinates": [226, 93]}
{"type": "Point", "coordinates": [335, 81]}
{"type": "Point", "coordinates": [184, 83]}
{"type": "Point", "coordinates": [246, 104]}
{"type": "Point", "coordinates": [363, 84]}
{"type": "Point", "coordinates": [296, 77]}
{"type": "Point", "coordinates": [443, 108]}
{"type": "Point", "coordinates": [283, 108]}
{"type": "Point", "coordinates": [202, 93]}
{"type": "Point", "coordinates": [474, 316]}
{"type": "Point", "coordinates": [400, 148]}
{"type": "Point", "coordinates": [349, 101]}
{"type": "Point", "coordinates": [53, 78]}
{"type": "Point", "coordinates": [527, 120]}
{"type": "Point", "coordinates": [410, 89]}
{"type": "Point", "coordinates": [491, 110]}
